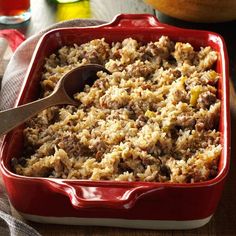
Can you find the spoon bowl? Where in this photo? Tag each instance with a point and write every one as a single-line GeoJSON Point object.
{"type": "Point", "coordinates": [71, 83]}
{"type": "Point", "coordinates": [75, 80]}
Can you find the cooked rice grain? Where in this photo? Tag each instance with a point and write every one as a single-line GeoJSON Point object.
{"type": "Point", "coordinates": [155, 118]}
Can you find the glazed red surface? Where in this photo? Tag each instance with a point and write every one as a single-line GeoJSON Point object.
{"type": "Point", "coordinates": [110, 199]}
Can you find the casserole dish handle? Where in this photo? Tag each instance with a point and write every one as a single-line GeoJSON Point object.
{"type": "Point", "coordinates": [134, 21]}
{"type": "Point", "coordinates": [100, 194]}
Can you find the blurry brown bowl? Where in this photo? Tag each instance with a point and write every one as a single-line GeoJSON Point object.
{"type": "Point", "coordinates": [205, 11]}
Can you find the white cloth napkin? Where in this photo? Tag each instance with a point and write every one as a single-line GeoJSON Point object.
{"type": "Point", "coordinates": [11, 84]}
{"type": "Point", "coordinates": [5, 55]}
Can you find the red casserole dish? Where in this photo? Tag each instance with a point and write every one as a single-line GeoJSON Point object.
{"type": "Point", "coordinates": [112, 203]}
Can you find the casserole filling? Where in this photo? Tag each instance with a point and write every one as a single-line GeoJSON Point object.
{"type": "Point", "coordinates": [155, 118]}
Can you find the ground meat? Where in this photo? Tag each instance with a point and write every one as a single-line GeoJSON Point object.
{"type": "Point", "coordinates": [185, 121]}
{"type": "Point", "coordinates": [141, 121]}
{"type": "Point", "coordinates": [154, 118]}
{"type": "Point", "coordinates": [206, 99]}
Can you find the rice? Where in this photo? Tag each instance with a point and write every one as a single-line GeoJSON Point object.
{"type": "Point", "coordinates": [155, 118]}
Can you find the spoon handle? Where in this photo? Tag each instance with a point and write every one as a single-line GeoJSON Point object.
{"type": "Point", "coordinates": [11, 118]}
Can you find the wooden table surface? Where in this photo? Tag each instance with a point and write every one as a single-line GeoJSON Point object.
{"type": "Point", "coordinates": [223, 222]}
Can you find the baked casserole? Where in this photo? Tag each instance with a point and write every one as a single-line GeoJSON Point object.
{"type": "Point", "coordinates": [154, 118]}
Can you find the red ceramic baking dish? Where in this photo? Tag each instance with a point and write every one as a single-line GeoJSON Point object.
{"type": "Point", "coordinates": [112, 203]}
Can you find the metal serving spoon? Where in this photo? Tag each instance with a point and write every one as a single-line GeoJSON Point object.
{"type": "Point", "coordinates": [71, 83]}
